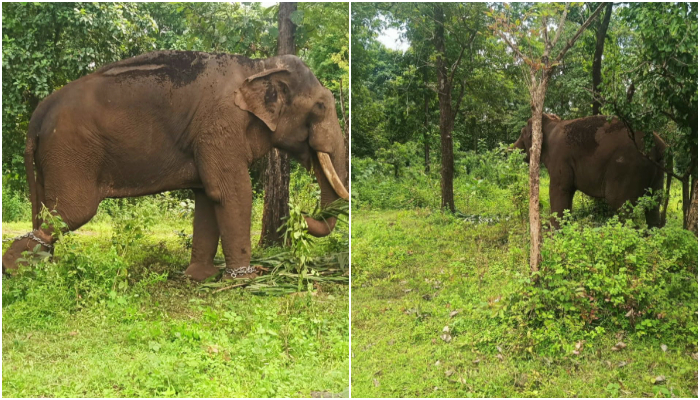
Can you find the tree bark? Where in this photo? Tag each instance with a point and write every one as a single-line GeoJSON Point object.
{"type": "Point", "coordinates": [276, 208]}
{"type": "Point", "coordinates": [426, 123]}
{"type": "Point", "coordinates": [685, 195]}
{"type": "Point", "coordinates": [667, 196]}
{"type": "Point", "coordinates": [537, 95]}
{"type": "Point", "coordinates": [692, 217]}
{"type": "Point", "coordinates": [446, 115]}
{"type": "Point", "coordinates": [346, 131]}
{"type": "Point", "coordinates": [598, 56]}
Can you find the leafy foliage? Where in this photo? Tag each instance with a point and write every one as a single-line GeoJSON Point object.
{"type": "Point", "coordinates": [46, 45]}
{"type": "Point", "coordinates": [653, 84]}
{"type": "Point", "coordinates": [610, 278]}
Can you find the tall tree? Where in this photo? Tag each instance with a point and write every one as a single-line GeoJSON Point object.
{"type": "Point", "coordinates": [276, 208]}
{"type": "Point", "coordinates": [426, 123]}
{"type": "Point", "coordinates": [601, 33]}
{"type": "Point", "coordinates": [528, 35]}
{"type": "Point", "coordinates": [452, 29]}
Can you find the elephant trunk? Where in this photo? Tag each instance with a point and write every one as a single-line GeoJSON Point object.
{"type": "Point", "coordinates": [328, 175]}
{"type": "Point", "coordinates": [520, 144]}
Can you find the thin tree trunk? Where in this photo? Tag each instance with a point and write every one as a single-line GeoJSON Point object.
{"type": "Point", "coordinates": [693, 211]}
{"type": "Point", "coordinates": [426, 125]}
{"type": "Point", "coordinates": [598, 56]}
{"type": "Point", "coordinates": [685, 189]}
{"type": "Point", "coordinates": [346, 124]}
{"type": "Point", "coordinates": [537, 93]}
{"type": "Point", "coordinates": [667, 196]}
{"type": "Point", "coordinates": [346, 131]}
{"type": "Point", "coordinates": [276, 208]}
{"type": "Point", "coordinates": [446, 116]}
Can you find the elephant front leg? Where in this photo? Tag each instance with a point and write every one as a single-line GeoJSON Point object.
{"type": "Point", "coordinates": [233, 215]}
{"type": "Point", "coordinates": [205, 239]}
{"type": "Point", "coordinates": [560, 199]}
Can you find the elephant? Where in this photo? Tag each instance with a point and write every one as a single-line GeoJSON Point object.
{"type": "Point", "coordinates": [169, 120]}
{"type": "Point", "coordinates": [596, 155]}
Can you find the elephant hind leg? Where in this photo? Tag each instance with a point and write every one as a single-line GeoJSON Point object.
{"type": "Point", "coordinates": [560, 198]}
{"type": "Point", "coordinates": [653, 218]}
{"type": "Point", "coordinates": [74, 200]}
{"type": "Point", "coordinates": [205, 239]}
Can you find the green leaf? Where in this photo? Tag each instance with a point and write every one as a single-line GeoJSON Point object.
{"type": "Point", "coordinates": [297, 17]}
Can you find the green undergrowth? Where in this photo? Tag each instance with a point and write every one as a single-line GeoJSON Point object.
{"type": "Point", "coordinates": [446, 307]}
{"type": "Point", "coordinates": [111, 315]}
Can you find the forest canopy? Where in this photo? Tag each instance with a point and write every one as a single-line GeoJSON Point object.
{"type": "Point", "coordinates": [395, 92]}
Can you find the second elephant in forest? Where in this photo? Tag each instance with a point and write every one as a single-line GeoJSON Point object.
{"type": "Point", "coordinates": [597, 156]}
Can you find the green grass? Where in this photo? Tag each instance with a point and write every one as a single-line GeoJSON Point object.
{"type": "Point", "coordinates": [418, 271]}
{"type": "Point", "coordinates": [99, 322]}
{"type": "Point", "coordinates": [411, 269]}
{"type": "Point", "coordinates": [179, 342]}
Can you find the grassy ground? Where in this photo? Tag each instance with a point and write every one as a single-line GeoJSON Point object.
{"type": "Point", "coordinates": [154, 334]}
{"type": "Point", "coordinates": [419, 274]}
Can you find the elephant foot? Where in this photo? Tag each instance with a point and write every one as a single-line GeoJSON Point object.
{"type": "Point", "coordinates": [200, 272]}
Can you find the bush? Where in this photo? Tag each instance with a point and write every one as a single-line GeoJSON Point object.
{"type": "Point", "coordinates": [500, 166]}
{"type": "Point", "coordinates": [88, 272]}
{"type": "Point", "coordinates": [15, 206]}
{"type": "Point", "coordinates": [614, 277]}
{"type": "Point", "coordinates": [480, 180]}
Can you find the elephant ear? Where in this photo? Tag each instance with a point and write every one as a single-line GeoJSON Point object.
{"type": "Point", "coordinates": [264, 94]}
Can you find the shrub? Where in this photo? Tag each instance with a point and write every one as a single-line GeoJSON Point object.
{"type": "Point", "coordinates": [15, 206]}
{"type": "Point", "coordinates": [479, 180]}
{"type": "Point", "coordinates": [613, 277]}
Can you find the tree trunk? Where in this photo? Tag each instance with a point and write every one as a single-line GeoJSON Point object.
{"type": "Point", "coordinates": [276, 208]}
{"type": "Point", "coordinates": [685, 189]}
{"type": "Point", "coordinates": [446, 116]}
{"type": "Point", "coordinates": [426, 123]}
{"type": "Point", "coordinates": [537, 93]}
{"type": "Point", "coordinates": [667, 194]}
{"type": "Point", "coordinates": [598, 56]}
{"type": "Point", "coordinates": [346, 131]}
{"type": "Point", "coordinates": [693, 210]}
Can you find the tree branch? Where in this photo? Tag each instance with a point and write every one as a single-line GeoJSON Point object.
{"type": "Point", "coordinates": [463, 84]}
{"type": "Point", "coordinates": [560, 29]}
{"type": "Point", "coordinates": [511, 45]}
{"type": "Point", "coordinates": [459, 59]}
{"type": "Point", "coordinates": [583, 27]}
{"type": "Point", "coordinates": [454, 67]}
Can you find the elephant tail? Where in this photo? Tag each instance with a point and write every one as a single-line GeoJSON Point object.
{"type": "Point", "coordinates": [32, 140]}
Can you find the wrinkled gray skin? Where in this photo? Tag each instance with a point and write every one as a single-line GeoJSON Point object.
{"type": "Point", "coordinates": [598, 158]}
{"type": "Point", "coordinates": [172, 120]}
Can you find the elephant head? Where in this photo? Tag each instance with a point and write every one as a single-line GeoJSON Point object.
{"type": "Point", "coordinates": [524, 142]}
{"type": "Point", "coordinates": [301, 116]}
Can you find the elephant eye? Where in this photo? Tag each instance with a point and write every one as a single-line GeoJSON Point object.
{"type": "Point", "coordinates": [320, 106]}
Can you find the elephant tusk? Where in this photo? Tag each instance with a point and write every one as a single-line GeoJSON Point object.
{"type": "Point", "coordinates": [331, 175]}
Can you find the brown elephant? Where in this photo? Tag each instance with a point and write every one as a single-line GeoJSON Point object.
{"type": "Point", "coordinates": [172, 120]}
{"type": "Point", "coordinates": [597, 156]}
